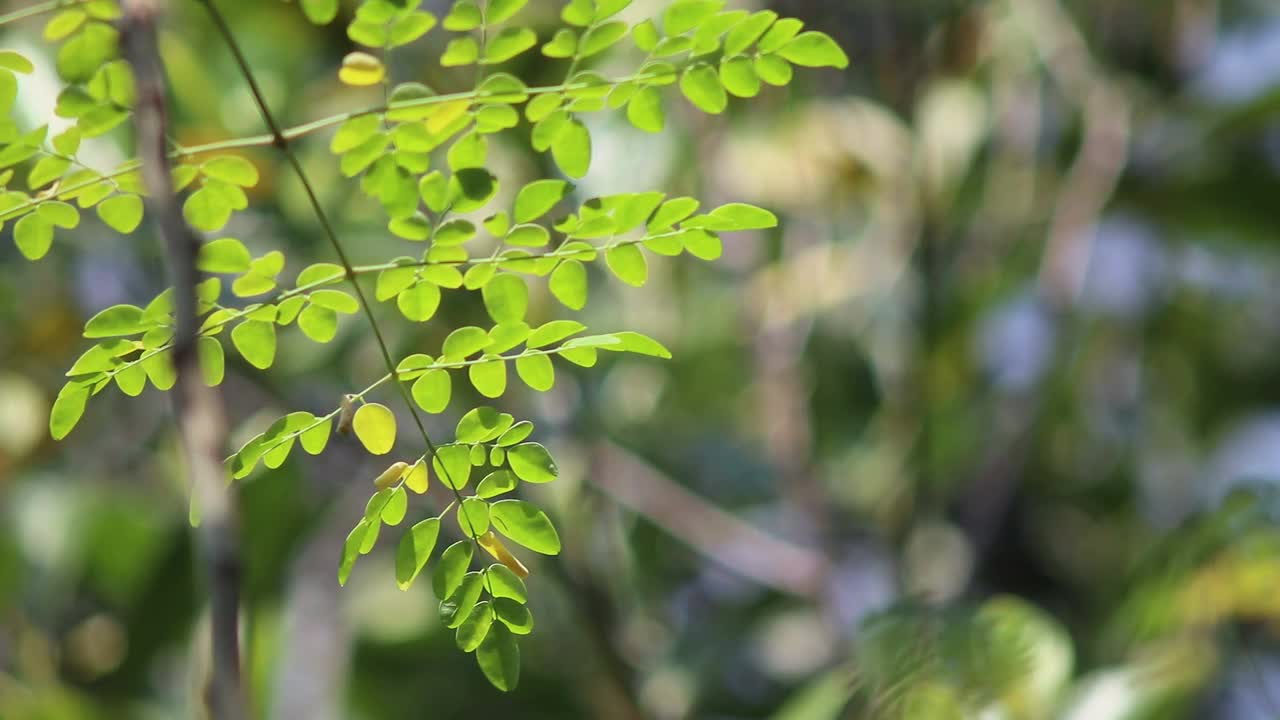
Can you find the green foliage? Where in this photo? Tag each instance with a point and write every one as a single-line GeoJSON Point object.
{"type": "Point", "coordinates": [424, 159]}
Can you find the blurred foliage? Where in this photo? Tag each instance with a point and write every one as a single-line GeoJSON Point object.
{"type": "Point", "coordinates": [987, 428]}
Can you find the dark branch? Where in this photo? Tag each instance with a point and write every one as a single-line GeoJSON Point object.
{"type": "Point", "coordinates": [198, 408]}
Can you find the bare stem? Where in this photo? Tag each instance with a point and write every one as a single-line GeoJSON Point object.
{"type": "Point", "coordinates": [198, 408]}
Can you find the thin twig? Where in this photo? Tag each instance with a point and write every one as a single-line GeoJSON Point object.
{"type": "Point", "coordinates": [281, 142]}
{"type": "Point", "coordinates": [198, 407]}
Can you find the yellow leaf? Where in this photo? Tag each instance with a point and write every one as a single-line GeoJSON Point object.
{"type": "Point", "coordinates": [390, 475]}
{"type": "Point", "coordinates": [494, 547]}
{"type": "Point", "coordinates": [359, 68]}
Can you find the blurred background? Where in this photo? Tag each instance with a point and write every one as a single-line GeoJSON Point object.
{"type": "Point", "coordinates": [989, 427]}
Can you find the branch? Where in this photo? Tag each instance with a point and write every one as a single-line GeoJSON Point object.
{"type": "Point", "coordinates": [281, 142]}
{"type": "Point", "coordinates": [197, 407]}
{"type": "Point", "coordinates": [733, 543]}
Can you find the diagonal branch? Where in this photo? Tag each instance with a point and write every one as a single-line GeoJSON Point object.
{"type": "Point", "coordinates": [198, 407]}
{"type": "Point", "coordinates": [281, 141]}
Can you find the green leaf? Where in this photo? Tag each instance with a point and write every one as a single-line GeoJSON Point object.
{"type": "Point", "coordinates": [59, 214]}
{"type": "Point", "coordinates": [63, 24]}
{"type": "Point", "coordinates": [355, 541]}
{"type": "Point", "coordinates": [67, 409]}
{"type": "Point", "coordinates": [432, 390]}
{"type": "Point", "coordinates": [33, 235]}
{"type": "Point", "coordinates": [814, 49]}
{"type": "Point", "coordinates": [748, 31]}
{"type": "Point", "coordinates": [514, 615]}
{"type": "Point", "coordinates": [528, 236]}
{"type": "Point", "coordinates": [738, 75]}
{"type": "Point", "coordinates": [506, 298]}
{"type": "Point", "coordinates": [474, 629]}
{"type": "Point", "coordinates": [457, 607]}
{"type": "Point", "coordinates": [375, 426]}
{"type": "Point", "coordinates": [256, 341]}
{"type": "Point", "coordinates": [460, 51]}
{"type": "Point", "coordinates": [635, 342]}
{"type": "Point", "coordinates": [160, 370]}
{"type": "Point", "coordinates": [397, 505]}
{"type": "Point", "coordinates": [516, 433]}
{"type": "Point", "coordinates": [212, 361]}
{"type": "Point", "coordinates": [701, 244]}
{"type": "Point", "coordinates": [131, 380]}
{"type": "Point", "coordinates": [563, 45]}
{"type": "Point", "coordinates": [601, 38]}
{"type": "Point", "coordinates": [415, 549]}
{"type": "Point", "coordinates": [579, 12]}
{"type": "Point", "coordinates": [508, 44]}
{"type": "Point", "coordinates": [355, 132]}
{"type": "Point", "coordinates": [490, 377]}
{"type": "Point", "coordinates": [122, 213]}
{"type": "Point", "coordinates": [503, 583]}
{"type": "Point", "coordinates": [473, 516]}
{"type": "Point", "coordinates": [452, 464]}
{"type": "Point", "coordinates": [538, 198]}
{"type": "Point", "coordinates": [463, 342]}
{"type": "Point", "coordinates": [572, 149]}
{"type": "Point", "coordinates": [524, 523]}
{"type": "Point", "coordinates": [206, 210]}
{"type": "Point", "coordinates": [83, 53]}
{"type": "Point", "coordinates": [502, 10]}
{"type": "Point", "coordinates": [774, 70]}
{"type": "Point", "coordinates": [336, 300]}
{"type": "Point", "coordinates": [409, 28]}
{"type": "Point", "coordinates": [780, 34]}
{"type": "Point", "coordinates": [682, 16]}
{"type": "Point", "coordinates": [606, 9]}
{"type": "Point", "coordinates": [536, 371]}
{"type": "Point", "coordinates": [46, 170]}
{"type": "Point", "coordinates": [701, 85]}
{"type": "Point", "coordinates": [455, 232]}
{"type": "Point", "coordinates": [315, 438]}
{"type": "Point", "coordinates": [740, 216]}
{"type": "Point", "coordinates": [496, 483]}
{"type": "Point", "coordinates": [116, 321]}
{"type": "Point", "coordinates": [499, 658]}
{"type": "Point", "coordinates": [645, 112]}
{"type": "Point", "coordinates": [231, 168]}
{"type": "Point", "coordinates": [532, 463]}
{"type": "Point", "coordinates": [420, 302]}
{"type": "Point", "coordinates": [465, 15]}
{"type": "Point", "coordinates": [481, 425]}
{"type": "Point", "coordinates": [645, 35]}
{"type": "Point", "coordinates": [672, 212]}
{"type": "Point", "coordinates": [569, 284]}
{"type": "Point", "coordinates": [553, 332]}
{"type": "Point", "coordinates": [320, 12]}
{"type": "Point", "coordinates": [318, 323]}
{"type": "Point", "coordinates": [451, 569]}
{"type": "Point", "coordinates": [224, 255]}
{"type": "Point", "coordinates": [628, 263]}
{"type": "Point", "coordinates": [393, 281]}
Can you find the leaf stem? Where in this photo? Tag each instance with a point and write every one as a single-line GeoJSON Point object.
{"type": "Point", "coordinates": [280, 141]}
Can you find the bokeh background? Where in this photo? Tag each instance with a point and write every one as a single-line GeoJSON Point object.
{"type": "Point", "coordinates": [990, 424]}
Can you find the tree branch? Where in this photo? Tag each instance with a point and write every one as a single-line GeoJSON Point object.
{"type": "Point", "coordinates": [197, 407]}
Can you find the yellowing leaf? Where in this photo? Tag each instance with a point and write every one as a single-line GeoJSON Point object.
{"type": "Point", "coordinates": [375, 426]}
{"type": "Point", "coordinates": [359, 69]}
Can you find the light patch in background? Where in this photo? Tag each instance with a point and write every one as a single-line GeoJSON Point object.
{"type": "Point", "coordinates": [794, 644]}
{"type": "Point", "coordinates": [1244, 64]}
{"type": "Point", "coordinates": [382, 611]}
{"type": "Point", "coordinates": [44, 515]}
{"type": "Point", "coordinates": [1016, 342]}
{"type": "Point", "coordinates": [23, 416]}
{"type": "Point", "coordinates": [624, 159]}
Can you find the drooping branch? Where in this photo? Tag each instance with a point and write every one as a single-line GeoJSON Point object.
{"type": "Point", "coordinates": [197, 407]}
